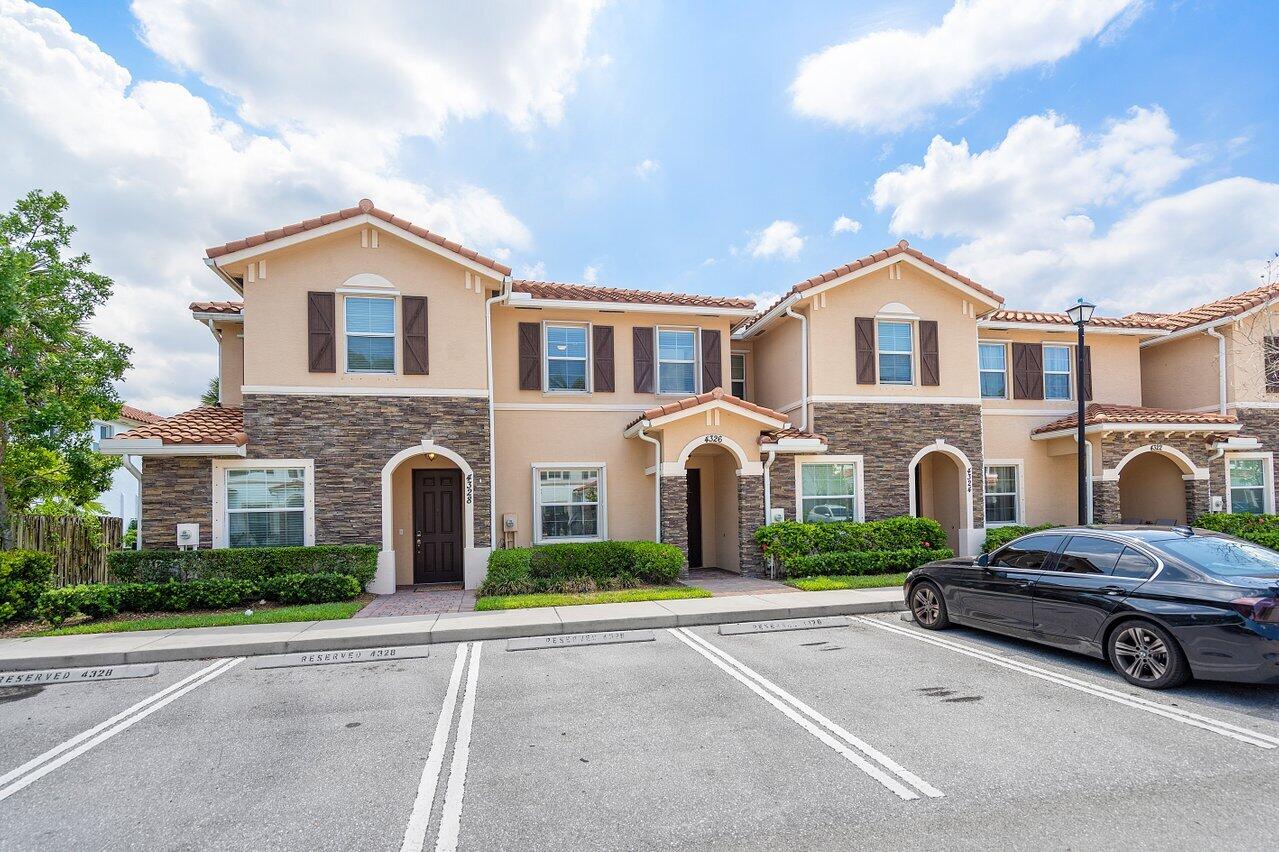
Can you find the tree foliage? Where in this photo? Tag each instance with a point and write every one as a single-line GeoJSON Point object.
{"type": "Point", "coordinates": [55, 376]}
{"type": "Point", "coordinates": [213, 393]}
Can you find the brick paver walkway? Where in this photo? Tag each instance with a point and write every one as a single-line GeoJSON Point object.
{"type": "Point", "coordinates": [420, 600]}
{"type": "Point", "coordinates": [723, 583]}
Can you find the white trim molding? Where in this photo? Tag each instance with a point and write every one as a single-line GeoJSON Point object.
{"type": "Point", "coordinates": [156, 447]}
{"type": "Point", "coordinates": [1165, 428]}
{"type": "Point", "coordinates": [966, 529]}
{"type": "Point", "coordinates": [1268, 473]}
{"type": "Point", "coordinates": [1183, 462]}
{"type": "Point", "coordinates": [1020, 465]}
{"type": "Point", "coordinates": [894, 398]}
{"type": "Point", "coordinates": [221, 466]}
{"type": "Point", "coordinates": [601, 504]}
{"type": "Point", "coordinates": [859, 498]}
{"type": "Point", "coordinates": [633, 307]}
{"type": "Point", "coordinates": [343, 390]}
{"type": "Point", "coordinates": [715, 441]}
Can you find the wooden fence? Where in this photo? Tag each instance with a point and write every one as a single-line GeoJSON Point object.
{"type": "Point", "coordinates": [79, 558]}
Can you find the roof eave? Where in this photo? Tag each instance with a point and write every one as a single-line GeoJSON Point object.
{"type": "Point", "coordinates": [639, 307]}
{"type": "Point", "coordinates": [1120, 426]}
{"type": "Point", "coordinates": [156, 447]}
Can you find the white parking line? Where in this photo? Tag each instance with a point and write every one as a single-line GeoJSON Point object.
{"type": "Point", "coordinates": [420, 817]}
{"type": "Point", "coordinates": [792, 708]}
{"type": "Point", "coordinates": [1176, 714]}
{"type": "Point", "coordinates": [38, 767]}
{"type": "Point", "coordinates": [451, 818]}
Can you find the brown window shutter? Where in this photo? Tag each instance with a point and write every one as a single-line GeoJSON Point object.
{"type": "Point", "coordinates": [1028, 371]}
{"type": "Point", "coordinates": [642, 357]}
{"type": "Point", "coordinates": [712, 363]}
{"type": "Point", "coordinates": [320, 321]}
{"type": "Point", "coordinates": [417, 360]}
{"type": "Point", "coordinates": [530, 356]}
{"type": "Point", "coordinates": [602, 338]}
{"type": "Point", "coordinates": [864, 340]}
{"type": "Point", "coordinates": [1270, 353]}
{"type": "Point", "coordinates": [929, 358]}
{"type": "Point", "coordinates": [1087, 372]}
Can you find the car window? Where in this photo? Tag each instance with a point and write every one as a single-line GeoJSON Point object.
{"type": "Point", "coordinates": [1086, 554]}
{"type": "Point", "coordinates": [1224, 557]}
{"type": "Point", "coordinates": [1134, 564]}
{"type": "Point", "coordinates": [1029, 554]}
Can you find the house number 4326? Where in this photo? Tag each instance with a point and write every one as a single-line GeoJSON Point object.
{"type": "Point", "coordinates": [713, 439]}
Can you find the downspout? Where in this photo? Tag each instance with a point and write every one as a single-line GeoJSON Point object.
{"type": "Point", "coordinates": [803, 365]}
{"type": "Point", "coordinates": [657, 479]}
{"type": "Point", "coordinates": [128, 465]}
{"type": "Point", "coordinates": [768, 502]}
{"type": "Point", "coordinates": [1221, 368]}
{"type": "Point", "coordinates": [488, 345]}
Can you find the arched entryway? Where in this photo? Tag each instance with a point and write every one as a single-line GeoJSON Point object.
{"type": "Point", "coordinates": [940, 477]}
{"type": "Point", "coordinates": [1152, 488]}
{"type": "Point", "coordinates": [711, 474]}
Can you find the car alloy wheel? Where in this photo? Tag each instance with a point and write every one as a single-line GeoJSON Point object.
{"type": "Point", "coordinates": [1141, 653]}
{"type": "Point", "coordinates": [925, 605]}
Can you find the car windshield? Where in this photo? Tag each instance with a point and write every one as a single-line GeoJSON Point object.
{"type": "Point", "coordinates": [1223, 556]}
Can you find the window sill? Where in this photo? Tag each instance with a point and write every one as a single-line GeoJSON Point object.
{"type": "Point", "coordinates": [568, 540]}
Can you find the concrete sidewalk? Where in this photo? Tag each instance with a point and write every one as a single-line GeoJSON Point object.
{"type": "Point", "coordinates": [156, 646]}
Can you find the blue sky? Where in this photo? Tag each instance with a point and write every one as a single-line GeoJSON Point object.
{"type": "Point", "coordinates": [677, 137]}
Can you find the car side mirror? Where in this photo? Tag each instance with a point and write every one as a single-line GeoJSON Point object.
{"type": "Point", "coordinates": [982, 561]}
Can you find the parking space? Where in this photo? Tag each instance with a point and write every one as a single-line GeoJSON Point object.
{"type": "Point", "coordinates": [869, 734]}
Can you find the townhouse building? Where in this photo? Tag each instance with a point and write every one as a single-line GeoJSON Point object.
{"type": "Point", "coordinates": [384, 385]}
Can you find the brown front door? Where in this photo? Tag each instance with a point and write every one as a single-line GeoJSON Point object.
{"type": "Point", "coordinates": [694, 476]}
{"type": "Point", "coordinates": [437, 526]}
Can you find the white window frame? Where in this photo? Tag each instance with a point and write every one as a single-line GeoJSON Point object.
{"type": "Point", "coordinates": [859, 499]}
{"type": "Point", "coordinates": [394, 335]}
{"type": "Point", "coordinates": [1069, 374]}
{"type": "Point", "coordinates": [733, 356]}
{"type": "Point", "coordinates": [914, 366]}
{"type": "Point", "coordinates": [1268, 478]}
{"type": "Point", "coordinates": [697, 360]}
{"type": "Point", "coordinates": [221, 531]}
{"type": "Point", "coordinates": [601, 511]}
{"type": "Point", "coordinates": [1002, 344]}
{"type": "Point", "coordinates": [546, 357]}
{"type": "Point", "coordinates": [1019, 501]}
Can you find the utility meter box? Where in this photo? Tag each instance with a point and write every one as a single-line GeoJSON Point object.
{"type": "Point", "coordinates": [776, 515]}
{"type": "Point", "coordinates": [510, 522]}
{"type": "Point", "coordinates": [1218, 505]}
{"type": "Point", "coordinates": [188, 536]}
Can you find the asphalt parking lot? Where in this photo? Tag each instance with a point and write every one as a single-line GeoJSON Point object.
{"type": "Point", "coordinates": [875, 734]}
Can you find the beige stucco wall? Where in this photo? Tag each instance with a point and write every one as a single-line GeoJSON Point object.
{"type": "Point", "coordinates": [275, 322]}
{"type": "Point", "coordinates": [1180, 374]}
{"type": "Point", "coordinates": [1048, 467]}
{"type": "Point", "coordinates": [1116, 368]}
{"type": "Point", "coordinates": [230, 362]}
{"type": "Point", "coordinates": [747, 349]}
{"type": "Point", "coordinates": [776, 359]}
{"type": "Point", "coordinates": [678, 434]}
{"type": "Point", "coordinates": [942, 494]}
{"type": "Point", "coordinates": [834, 371]}
{"type": "Point", "coordinates": [1245, 359]}
{"type": "Point", "coordinates": [1151, 489]}
{"type": "Point", "coordinates": [402, 512]}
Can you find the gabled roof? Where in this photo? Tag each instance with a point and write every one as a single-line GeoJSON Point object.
{"type": "Point", "coordinates": [592, 293]}
{"type": "Point", "coordinates": [128, 412]}
{"type": "Point", "coordinates": [228, 308]}
{"type": "Point", "coordinates": [790, 433]}
{"type": "Point", "coordinates": [365, 206]}
{"type": "Point", "coordinates": [716, 395]}
{"type": "Point", "coordinates": [204, 425]}
{"type": "Point", "coordinates": [1136, 321]}
{"type": "Point", "coordinates": [1097, 413]}
{"type": "Point", "coordinates": [1222, 308]}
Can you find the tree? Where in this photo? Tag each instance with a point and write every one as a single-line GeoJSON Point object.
{"type": "Point", "coordinates": [55, 376]}
{"type": "Point", "coordinates": [213, 393]}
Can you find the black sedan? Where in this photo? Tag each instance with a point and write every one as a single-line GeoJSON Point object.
{"type": "Point", "coordinates": [1161, 604]}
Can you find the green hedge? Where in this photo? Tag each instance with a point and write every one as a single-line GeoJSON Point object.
{"type": "Point", "coordinates": [860, 562]}
{"type": "Point", "coordinates": [1261, 529]}
{"type": "Point", "coordinates": [997, 537]}
{"type": "Point", "coordinates": [580, 567]}
{"type": "Point", "coordinates": [790, 540]}
{"type": "Point", "coordinates": [101, 600]}
{"type": "Point", "coordinates": [242, 563]}
{"type": "Point", "coordinates": [24, 577]}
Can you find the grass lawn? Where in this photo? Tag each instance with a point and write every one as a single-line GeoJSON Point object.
{"type": "Point", "coordinates": [652, 593]}
{"type": "Point", "coordinates": [171, 621]}
{"type": "Point", "coordinates": [847, 581]}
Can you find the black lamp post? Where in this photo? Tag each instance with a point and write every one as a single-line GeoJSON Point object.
{"type": "Point", "coordinates": [1079, 314]}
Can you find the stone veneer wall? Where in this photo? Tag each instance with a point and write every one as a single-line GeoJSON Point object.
{"type": "Point", "coordinates": [887, 436]}
{"type": "Point", "coordinates": [1114, 446]}
{"type": "Point", "coordinates": [675, 513]}
{"type": "Point", "coordinates": [750, 517]}
{"type": "Point", "coordinates": [352, 437]}
{"type": "Point", "coordinates": [176, 491]}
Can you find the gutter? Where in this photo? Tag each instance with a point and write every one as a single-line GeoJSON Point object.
{"type": "Point", "coordinates": [657, 478]}
{"type": "Point", "coordinates": [503, 296]}
{"type": "Point", "coordinates": [803, 365]}
{"type": "Point", "coordinates": [218, 271]}
{"type": "Point", "coordinates": [1221, 367]}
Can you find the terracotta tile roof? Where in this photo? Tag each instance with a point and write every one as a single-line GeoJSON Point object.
{"type": "Point", "coordinates": [1222, 308]}
{"type": "Point", "coordinates": [1099, 412]}
{"type": "Point", "coordinates": [902, 247]}
{"type": "Point", "coordinates": [365, 206]}
{"type": "Point", "coordinates": [1130, 321]}
{"type": "Point", "coordinates": [217, 307]}
{"type": "Point", "coordinates": [702, 399]}
{"type": "Point", "coordinates": [1144, 315]}
{"type": "Point", "coordinates": [592, 293]}
{"type": "Point", "coordinates": [788, 432]}
{"type": "Point", "coordinates": [203, 425]}
{"type": "Point", "coordinates": [128, 412]}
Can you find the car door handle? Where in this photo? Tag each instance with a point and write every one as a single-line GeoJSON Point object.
{"type": "Point", "coordinates": [1114, 590]}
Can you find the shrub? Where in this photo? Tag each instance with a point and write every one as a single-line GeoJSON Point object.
{"type": "Point", "coordinates": [581, 567]}
{"type": "Point", "coordinates": [508, 572]}
{"type": "Point", "coordinates": [221, 593]}
{"type": "Point", "coordinates": [789, 540]}
{"type": "Point", "coordinates": [654, 562]}
{"type": "Point", "coordinates": [242, 563]}
{"type": "Point", "coordinates": [311, 588]}
{"type": "Point", "coordinates": [139, 597]}
{"type": "Point", "coordinates": [858, 562]}
{"type": "Point", "coordinates": [25, 575]}
{"type": "Point", "coordinates": [99, 600]}
{"type": "Point", "coordinates": [57, 605]}
{"type": "Point", "coordinates": [997, 537]}
{"type": "Point", "coordinates": [1260, 529]}
{"type": "Point", "coordinates": [594, 559]}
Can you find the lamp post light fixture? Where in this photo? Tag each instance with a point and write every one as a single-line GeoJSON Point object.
{"type": "Point", "coordinates": [1080, 313]}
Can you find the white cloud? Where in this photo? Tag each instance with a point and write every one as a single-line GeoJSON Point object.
{"type": "Point", "coordinates": [590, 274]}
{"type": "Point", "coordinates": [647, 168]}
{"type": "Point", "coordinates": [1026, 210]}
{"type": "Point", "coordinates": [763, 299]}
{"type": "Point", "coordinates": [891, 78]}
{"type": "Point", "coordinates": [533, 271]}
{"type": "Point", "coordinates": [844, 225]}
{"type": "Point", "coordinates": [780, 238]}
{"type": "Point", "coordinates": [407, 69]}
{"type": "Point", "coordinates": [154, 175]}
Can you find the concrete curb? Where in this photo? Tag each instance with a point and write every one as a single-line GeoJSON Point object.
{"type": "Point", "coordinates": [160, 646]}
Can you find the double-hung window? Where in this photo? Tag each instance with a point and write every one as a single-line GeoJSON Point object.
{"type": "Point", "coordinates": [569, 503]}
{"type": "Point", "coordinates": [993, 370]}
{"type": "Point", "coordinates": [828, 492]}
{"type": "Point", "coordinates": [566, 347]}
{"type": "Point", "coordinates": [1247, 486]}
{"type": "Point", "coordinates": [1056, 372]}
{"type": "Point", "coordinates": [896, 352]}
{"type": "Point", "coordinates": [677, 361]}
{"type": "Point", "coordinates": [1001, 494]}
{"type": "Point", "coordinates": [265, 507]}
{"type": "Point", "coordinates": [737, 362]}
{"type": "Point", "coordinates": [370, 334]}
